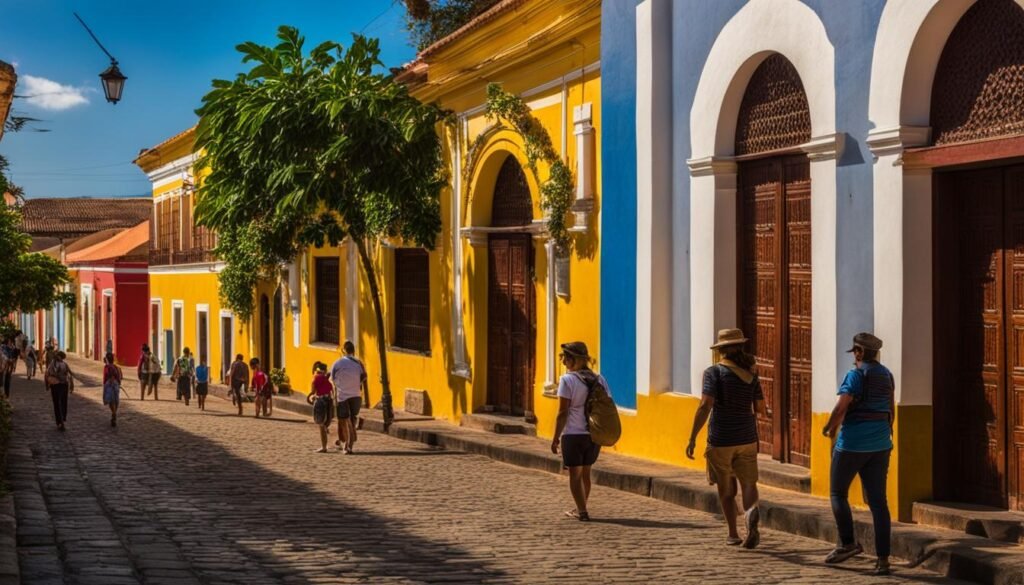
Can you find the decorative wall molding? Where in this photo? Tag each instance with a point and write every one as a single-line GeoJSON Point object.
{"type": "Point", "coordinates": [888, 141]}
{"type": "Point", "coordinates": [827, 147]}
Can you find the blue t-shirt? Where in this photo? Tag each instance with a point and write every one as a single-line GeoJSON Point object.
{"type": "Point", "coordinates": [860, 435]}
{"type": "Point", "coordinates": [202, 374]}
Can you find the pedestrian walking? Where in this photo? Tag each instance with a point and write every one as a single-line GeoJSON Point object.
{"type": "Point", "coordinates": [323, 406]}
{"type": "Point", "coordinates": [238, 377]}
{"type": "Point", "coordinates": [149, 374]}
{"type": "Point", "coordinates": [49, 355]}
{"type": "Point", "coordinates": [31, 357]}
{"type": "Point", "coordinates": [202, 383]}
{"type": "Point", "coordinates": [731, 395]}
{"type": "Point", "coordinates": [348, 376]}
{"type": "Point", "coordinates": [864, 415]}
{"type": "Point", "coordinates": [10, 363]}
{"type": "Point", "coordinates": [184, 374]}
{"type": "Point", "coordinates": [572, 434]}
{"type": "Point", "coordinates": [61, 381]}
{"type": "Point", "coordinates": [112, 377]}
{"type": "Point", "coordinates": [259, 386]}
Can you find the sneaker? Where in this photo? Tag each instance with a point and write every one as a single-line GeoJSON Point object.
{"type": "Point", "coordinates": [882, 568]}
{"type": "Point", "coordinates": [752, 517]}
{"type": "Point", "coordinates": [842, 553]}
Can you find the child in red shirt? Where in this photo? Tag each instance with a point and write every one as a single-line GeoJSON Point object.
{"type": "Point", "coordinates": [320, 396]}
{"type": "Point", "coordinates": [260, 387]}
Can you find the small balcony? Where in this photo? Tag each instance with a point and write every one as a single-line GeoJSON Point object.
{"type": "Point", "coordinates": [165, 257]}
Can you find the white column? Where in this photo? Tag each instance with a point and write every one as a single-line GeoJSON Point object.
{"type": "Point", "coordinates": [654, 197]}
{"type": "Point", "coordinates": [549, 354]}
{"type": "Point", "coordinates": [295, 296]}
{"type": "Point", "coordinates": [823, 152]}
{"type": "Point", "coordinates": [461, 367]}
{"type": "Point", "coordinates": [903, 262]}
{"type": "Point", "coordinates": [712, 258]}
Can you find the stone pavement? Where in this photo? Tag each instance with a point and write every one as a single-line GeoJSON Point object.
{"type": "Point", "coordinates": [174, 495]}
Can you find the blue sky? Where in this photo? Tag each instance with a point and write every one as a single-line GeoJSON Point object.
{"type": "Point", "coordinates": [169, 50]}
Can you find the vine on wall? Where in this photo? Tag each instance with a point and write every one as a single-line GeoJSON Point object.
{"type": "Point", "coordinates": [556, 193]}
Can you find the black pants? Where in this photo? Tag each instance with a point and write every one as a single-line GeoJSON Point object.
{"type": "Point", "coordinates": [7, 383]}
{"type": "Point", "coordinates": [873, 468]}
{"type": "Point", "coordinates": [59, 393]}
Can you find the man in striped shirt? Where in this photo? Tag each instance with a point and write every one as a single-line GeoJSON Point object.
{"type": "Point", "coordinates": [731, 395]}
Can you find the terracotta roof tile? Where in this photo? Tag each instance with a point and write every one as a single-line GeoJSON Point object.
{"type": "Point", "coordinates": [76, 217]}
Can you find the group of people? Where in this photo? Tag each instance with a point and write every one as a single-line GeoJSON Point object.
{"type": "Point", "coordinates": [191, 378]}
{"type": "Point", "coordinates": [338, 395]}
{"type": "Point", "coordinates": [57, 375]}
{"type": "Point", "coordinates": [731, 398]}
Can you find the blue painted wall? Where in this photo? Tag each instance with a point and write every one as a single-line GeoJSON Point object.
{"type": "Point", "coordinates": [851, 27]}
{"type": "Point", "coordinates": [618, 203]}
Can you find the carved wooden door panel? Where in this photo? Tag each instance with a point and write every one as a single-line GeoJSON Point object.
{"type": "Point", "coordinates": [1014, 252]}
{"type": "Point", "coordinates": [970, 357]}
{"type": "Point", "coordinates": [510, 324]}
{"type": "Point", "coordinates": [797, 252]}
{"type": "Point", "coordinates": [759, 188]}
{"type": "Point", "coordinates": [775, 297]}
{"type": "Point", "coordinates": [499, 327]}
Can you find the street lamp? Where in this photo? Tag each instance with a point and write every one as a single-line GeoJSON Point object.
{"type": "Point", "coordinates": [112, 78]}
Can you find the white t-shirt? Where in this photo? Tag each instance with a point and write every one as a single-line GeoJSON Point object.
{"type": "Point", "coordinates": [573, 388]}
{"type": "Point", "coordinates": [347, 374]}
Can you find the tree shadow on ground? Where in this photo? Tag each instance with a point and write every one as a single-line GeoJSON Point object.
{"type": "Point", "coordinates": [216, 507]}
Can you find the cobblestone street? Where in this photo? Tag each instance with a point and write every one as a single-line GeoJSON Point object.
{"type": "Point", "coordinates": [175, 495]}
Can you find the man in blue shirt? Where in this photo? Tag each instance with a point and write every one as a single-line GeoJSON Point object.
{"type": "Point", "coordinates": [864, 416]}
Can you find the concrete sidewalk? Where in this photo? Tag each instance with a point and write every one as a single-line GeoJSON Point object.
{"type": "Point", "coordinates": [950, 553]}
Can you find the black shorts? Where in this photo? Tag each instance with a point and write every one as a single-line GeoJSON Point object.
{"type": "Point", "coordinates": [152, 379]}
{"type": "Point", "coordinates": [349, 408]}
{"type": "Point", "coordinates": [202, 388]}
{"type": "Point", "coordinates": [579, 450]}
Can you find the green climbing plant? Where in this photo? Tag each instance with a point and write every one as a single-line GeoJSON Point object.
{"type": "Point", "coordinates": [556, 193]}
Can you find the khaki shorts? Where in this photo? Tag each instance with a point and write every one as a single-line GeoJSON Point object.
{"type": "Point", "coordinates": [739, 461]}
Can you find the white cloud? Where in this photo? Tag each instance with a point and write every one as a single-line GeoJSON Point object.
{"type": "Point", "coordinates": [50, 95]}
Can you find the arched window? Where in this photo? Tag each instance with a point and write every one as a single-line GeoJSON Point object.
{"type": "Point", "coordinates": [511, 205]}
{"type": "Point", "coordinates": [774, 113]}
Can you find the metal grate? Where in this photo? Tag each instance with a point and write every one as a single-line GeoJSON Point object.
{"type": "Point", "coordinates": [774, 113]}
{"type": "Point", "coordinates": [412, 299]}
{"type": "Point", "coordinates": [328, 291]}
{"type": "Point", "coordinates": [511, 205]}
{"type": "Point", "coordinates": [979, 84]}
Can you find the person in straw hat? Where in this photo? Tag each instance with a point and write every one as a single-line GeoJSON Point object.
{"type": "Point", "coordinates": [863, 415]}
{"type": "Point", "coordinates": [730, 396]}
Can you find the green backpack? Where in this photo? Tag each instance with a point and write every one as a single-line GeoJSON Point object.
{"type": "Point", "coordinates": [602, 414]}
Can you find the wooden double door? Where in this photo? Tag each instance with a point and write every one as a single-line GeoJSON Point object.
{"type": "Point", "coordinates": [979, 336]}
{"type": "Point", "coordinates": [774, 208]}
{"type": "Point", "coordinates": [510, 324]}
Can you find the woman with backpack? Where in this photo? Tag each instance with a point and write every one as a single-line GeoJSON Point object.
{"type": "Point", "coordinates": [111, 386]}
{"type": "Point", "coordinates": [184, 373]}
{"type": "Point", "coordinates": [323, 406]}
{"type": "Point", "coordinates": [61, 381]}
{"type": "Point", "coordinates": [572, 430]}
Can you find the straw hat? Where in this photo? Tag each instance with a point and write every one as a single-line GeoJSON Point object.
{"type": "Point", "coordinates": [729, 337]}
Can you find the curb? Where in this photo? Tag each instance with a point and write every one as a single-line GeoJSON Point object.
{"type": "Point", "coordinates": [9, 571]}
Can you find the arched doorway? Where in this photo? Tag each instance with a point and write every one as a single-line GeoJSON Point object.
{"type": "Point", "coordinates": [264, 332]}
{"type": "Point", "coordinates": [978, 95]}
{"type": "Point", "coordinates": [774, 249]}
{"type": "Point", "coordinates": [510, 294]}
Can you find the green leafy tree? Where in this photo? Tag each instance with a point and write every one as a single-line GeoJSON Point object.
{"type": "Point", "coordinates": [429, 21]}
{"type": "Point", "coordinates": [310, 149]}
{"type": "Point", "coordinates": [28, 281]}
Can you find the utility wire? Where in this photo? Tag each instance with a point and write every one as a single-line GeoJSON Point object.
{"type": "Point", "coordinates": [376, 18]}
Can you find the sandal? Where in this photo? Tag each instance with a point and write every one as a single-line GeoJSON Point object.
{"type": "Point", "coordinates": [733, 541]}
{"type": "Point", "coordinates": [581, 516]}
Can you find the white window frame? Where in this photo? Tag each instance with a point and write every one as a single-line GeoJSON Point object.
{"type": "Point", "coordinates": [203, 308]}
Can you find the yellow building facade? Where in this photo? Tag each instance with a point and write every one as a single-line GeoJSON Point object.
{"type": "Point", "coordinates": [185, 308]}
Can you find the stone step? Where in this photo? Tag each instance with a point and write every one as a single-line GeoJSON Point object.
{"type": "Point", "coordinates": [973, 519]}
{"type": "Point", "coordinates": [502, 425]}
{"type": "Point", "coordinates": [783, 475]}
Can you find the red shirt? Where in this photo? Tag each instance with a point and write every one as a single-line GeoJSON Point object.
{"type": "Point", "coordinates": [259, 380]}
{"type": "Point", "coordinates": [322, 385]}
{"type": "Point", "coordinates": [111, 372]}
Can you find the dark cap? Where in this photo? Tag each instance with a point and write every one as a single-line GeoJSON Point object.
{"type": "Point", "coordinates": [867, 341]}
{"type": "Point", "coordinates": [576, 349]}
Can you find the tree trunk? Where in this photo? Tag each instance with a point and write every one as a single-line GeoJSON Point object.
{"type": "Point", "coordinates": [382, 346]}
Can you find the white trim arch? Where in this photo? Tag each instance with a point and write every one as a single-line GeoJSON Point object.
{"type": "Point", "coordinates": [760, 29]}
{"type": "Point", "coordinates": [908, 45]}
